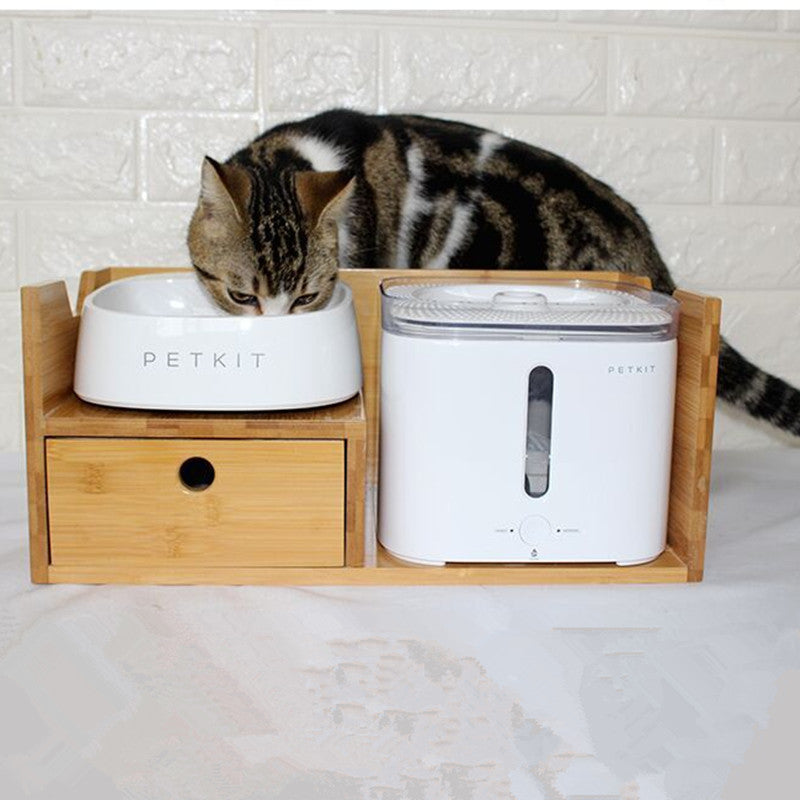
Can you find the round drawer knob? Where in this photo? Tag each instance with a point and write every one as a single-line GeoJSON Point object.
{"type": "Point", "coordinates": [196, 473]}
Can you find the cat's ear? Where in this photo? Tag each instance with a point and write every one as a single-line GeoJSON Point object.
{"type": "Point", "coordinates": [224, 190]}
{"type": "Point", "coordinates": [323, 195]}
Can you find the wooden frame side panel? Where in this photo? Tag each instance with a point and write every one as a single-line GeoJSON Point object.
{"type": "Point", "coordinates": [91, 280]}
{"type": "Point", "coordinates": [695, 403]}
{"type": "Point", "coordinates": [49, 337]}
{"type": "Point", "coordinates": [355, 496]}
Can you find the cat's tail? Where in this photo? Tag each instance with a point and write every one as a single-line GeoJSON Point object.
{"type": "Point", "coordinates": [760, 394]}
{"type": "Point", "coordinates": [740, 382]}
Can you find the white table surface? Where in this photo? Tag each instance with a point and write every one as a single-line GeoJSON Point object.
{"type": "Point", "coordinates": [343, 693]}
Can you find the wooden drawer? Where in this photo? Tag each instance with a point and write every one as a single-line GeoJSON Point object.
{"type": "Point", "coordinates": [124, 502]}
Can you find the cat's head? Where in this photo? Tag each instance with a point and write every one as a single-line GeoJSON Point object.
{"type": "Point", "coordinates": [267, 245]}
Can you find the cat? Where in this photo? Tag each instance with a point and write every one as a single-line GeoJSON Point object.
{"type": "Point", "coordinates": [274, 223]}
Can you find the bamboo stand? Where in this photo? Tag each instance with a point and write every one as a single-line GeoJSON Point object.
{"type": "Point", "coordinates": [93, 471]}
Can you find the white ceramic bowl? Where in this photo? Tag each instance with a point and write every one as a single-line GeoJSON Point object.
{"type": "Point", "coordinates": [158, 342]}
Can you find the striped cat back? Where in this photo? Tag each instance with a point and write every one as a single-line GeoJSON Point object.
{"type": "Point", "coordinates": [275, 222]}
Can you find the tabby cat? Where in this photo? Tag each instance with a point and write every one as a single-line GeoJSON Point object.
{"type": "Point", "coordinates": [343, 189]}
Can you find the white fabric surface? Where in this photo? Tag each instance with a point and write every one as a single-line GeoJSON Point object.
{"type": "Point", "coordinates": [630, 692]}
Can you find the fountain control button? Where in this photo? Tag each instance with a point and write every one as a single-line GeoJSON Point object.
{"type": "Point", "coordinates": [534, 530]}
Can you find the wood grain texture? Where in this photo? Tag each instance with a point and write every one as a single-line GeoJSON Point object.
{"type": "Point", "coordinates": [74, 417]}
{"type": "Point", "coordinates": [121, 503]}
{"type": "Point", "coordinates": [695, 403]}
{"type": "Point", "coordinates": [91, 280]}
{"type": "Point", "coordinates": [355, 495]}
{"type": "Point", "coordinates": [667, 568]}
{"type": "Point", "coordinates": [49, 336]}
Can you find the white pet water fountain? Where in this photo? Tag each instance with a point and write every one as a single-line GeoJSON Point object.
{"type": "Point", "coordinates": [526, 423]}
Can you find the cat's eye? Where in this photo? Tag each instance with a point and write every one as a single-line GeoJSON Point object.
{"type": "Point", "coordinates": [305, 299]}
{"type": "Point", "coordinates": [243, 299]}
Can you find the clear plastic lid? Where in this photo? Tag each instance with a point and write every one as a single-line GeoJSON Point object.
{"type": "Point", "coordinates": [450, 308]}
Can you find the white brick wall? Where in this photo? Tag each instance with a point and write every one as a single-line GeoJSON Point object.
{"type": "Point", "coordinates": [761, 165]}
{"type": "Point", "coordinates": [61, 240]}
{"type": "Point", "coordinates": [308, 69]}
{"type": "Point", "coordinates": [721, 20]}
{"type": "Point", "coordinates": [9, 279]}
{"type": "Point", "coordinates": [6, 84]}
{"type": "Point", "coordinates": [113, 65]}
{"type": "Point", "coordinates": [442, 70]}
{"type": "Point", "coordinates": [692, 115]}
{"type": "Point", "coordinates": [175, 145]}
{"type": "Point", "coordinates": [702, 77]}
{"type": "Point", "coordinates": [46, 155]}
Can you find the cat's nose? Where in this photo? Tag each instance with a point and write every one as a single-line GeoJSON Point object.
{"type": "Point", "coordinates": [275, 306]}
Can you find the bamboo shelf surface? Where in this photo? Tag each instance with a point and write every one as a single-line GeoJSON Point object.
{"type": "Point", "coordinates": [54, 411]}
{"type": "Point", "coordinates": [667, 568]}
{"type": "Point", "coordinates": [73, 417]}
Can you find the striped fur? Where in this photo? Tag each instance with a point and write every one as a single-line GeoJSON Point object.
{"type": "Point", "coordinates": [420, 192]}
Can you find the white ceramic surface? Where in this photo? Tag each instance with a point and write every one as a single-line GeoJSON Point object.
{"type": "Point", "coordinates": [158, 342]}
